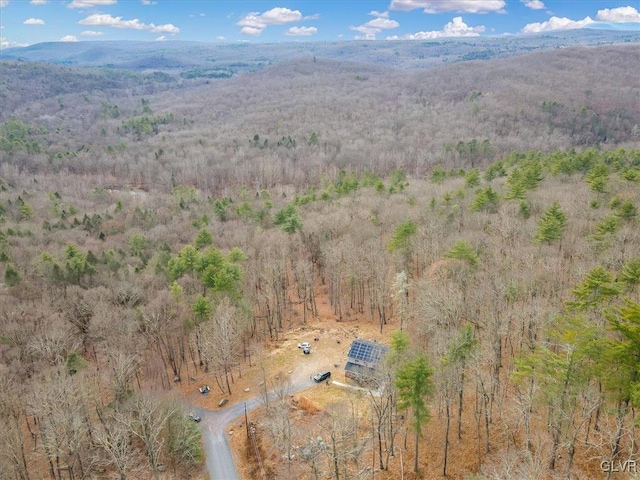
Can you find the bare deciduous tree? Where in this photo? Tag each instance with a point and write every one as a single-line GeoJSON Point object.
{"type": "Point", "coordinates": [114, 439]}
{"type": "Point", "coordinates": [148, 420]}
{"type": "Point", "coordinates": [220, 340]}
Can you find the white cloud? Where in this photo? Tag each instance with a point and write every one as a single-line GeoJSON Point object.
{"type": "Point", "coordinates": [161, 38]}
{"type": "Point", "coordinates": [367, 32]}
{"type": "Point", "coordinates": [533, 4]}
{"type": "Point", "coordinates": [251, 31]}
{"type": "Point", "coordinates": [455, 28]}
{"type": "Point", "coordinates": [556, 23]}
{"type": "Point", "coordinates": [166, 28]}
{"type": "Point", "coordinates": [91, 33]}
{"type": "Point", "coordinates": [106, 20]}
{"type": "Point", "coordinates": [203, 14]}
{"type": "Point", "coordinates": [254, 23]}
{"type": "Point", "coordinates": [149, 2]}
{"type": "Point", "coordinates": [370, 29]}
{"type": "Point", "coordinates": [33, 21]}
{"type": "Point", "coordinates": [375, 13]}
{"type": "Point", "coordinates": [301, 31]}
{"type": "Point", "coordinates": [382, 23]}
{"type": "Point", "coordinates": [4, 43]}
{"type": "Point", "coordinates": [90, 3]}
{"type": "Point", "coordinates": [440, 6]}
{"type": "Point", "coordinates": [38, 2]}
{"type": "Point", "coordinates": [69, 38]}
{"type": "Point", "coordinates": [278, 16]}
{"type": "Point", "coordinates": [4, 3]}
{"type": "Point", "coordinates": [221, 37]}
{"type": "Point", "coordinates": [619, 15]}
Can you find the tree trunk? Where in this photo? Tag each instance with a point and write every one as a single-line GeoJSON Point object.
{"type": "Point", "coordinates": [554, 448]}
{"type": "Point", "coordinates": [572, 451]}
{"type": "Point", "coordinates": [622, 411]}
{"type": "Point", "coordinates": [446, 440]}
{"type": "Point", "coordinates": [415, 459]}
{"type": "Point", "coordinates": [392, 434]}
{"type": "Point", "coordinates": [380, 446]}
{"type": "Point", "coordinates": [477, 411]}
{"type": "Point", "coordinates": [335, 456]}
{"type": "Point", "coordinates": [226, 378]}
{"type": "Point", "coordinates": [460, 395]}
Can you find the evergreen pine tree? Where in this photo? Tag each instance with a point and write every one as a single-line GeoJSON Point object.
{"type": "Point", "coordinates": [551, 225]}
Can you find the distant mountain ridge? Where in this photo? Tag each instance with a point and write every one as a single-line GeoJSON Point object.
{"type": "Point", "coordinates": [228, 59]}
{"type": "Point", "coordinates": [614, 26]}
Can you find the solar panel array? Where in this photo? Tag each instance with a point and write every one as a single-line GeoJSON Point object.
{"type": "Point", "coordinates": [366, 351]}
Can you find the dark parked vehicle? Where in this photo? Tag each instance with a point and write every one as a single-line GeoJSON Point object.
{"type": "Point", "coordinates": [322, 376]}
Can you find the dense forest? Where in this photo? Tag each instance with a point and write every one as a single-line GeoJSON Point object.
{"type": "Point", "coordinates": [482, 217]}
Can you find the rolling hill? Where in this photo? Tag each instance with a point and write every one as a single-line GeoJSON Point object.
{"type": "Point", "coordinates": [238, 58]}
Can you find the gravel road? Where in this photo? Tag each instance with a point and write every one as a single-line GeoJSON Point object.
{"type": "Point", "coordinates": [215, 427]}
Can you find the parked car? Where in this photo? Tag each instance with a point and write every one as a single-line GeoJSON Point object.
{"type": "Point", "coordinates": [322, 376]}
{"type": "Point", "coordinates": [306, 350]}
{"type": "Point", "coordinates": [304, 345]}
{"type": "Point", "coordinates": [195, 417]}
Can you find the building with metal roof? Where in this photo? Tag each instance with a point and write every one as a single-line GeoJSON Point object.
{"type": "Point", "coordinates": [363, 358]}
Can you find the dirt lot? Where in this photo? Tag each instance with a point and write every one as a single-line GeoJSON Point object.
{"type": "Point", "coordinates": [330, 349]}
{"type": "Point", "coordinates": [283, 356]}
{"type": "Point", "coordinates": [329, 340]}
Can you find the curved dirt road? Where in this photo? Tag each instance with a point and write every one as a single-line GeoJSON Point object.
{"type": "Point", "coordinates": [215, 425]}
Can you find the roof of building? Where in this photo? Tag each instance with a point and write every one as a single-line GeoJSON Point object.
{"type": "Point", "coordinates": [366, 352]}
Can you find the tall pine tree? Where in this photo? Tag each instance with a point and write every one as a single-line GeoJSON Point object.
{"type": "Point", "coordinates": [551, 225]}
{"type": "Point", "coordinates": [414, 386]}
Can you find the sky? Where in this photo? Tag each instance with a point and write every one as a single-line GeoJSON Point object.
{"type": "Point", "coordinates": [26, 22]}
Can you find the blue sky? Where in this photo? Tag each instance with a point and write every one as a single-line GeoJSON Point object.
{"type": "Point", "coordinates": [26, 22]}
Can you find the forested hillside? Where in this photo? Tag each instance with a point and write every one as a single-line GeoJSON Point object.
{"type": "Point", "coordinates": [25, 84]}
{"type": "Point", "coordinates": [335, 114]}
{"type": "Point", "coordinates": [487, 210]}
